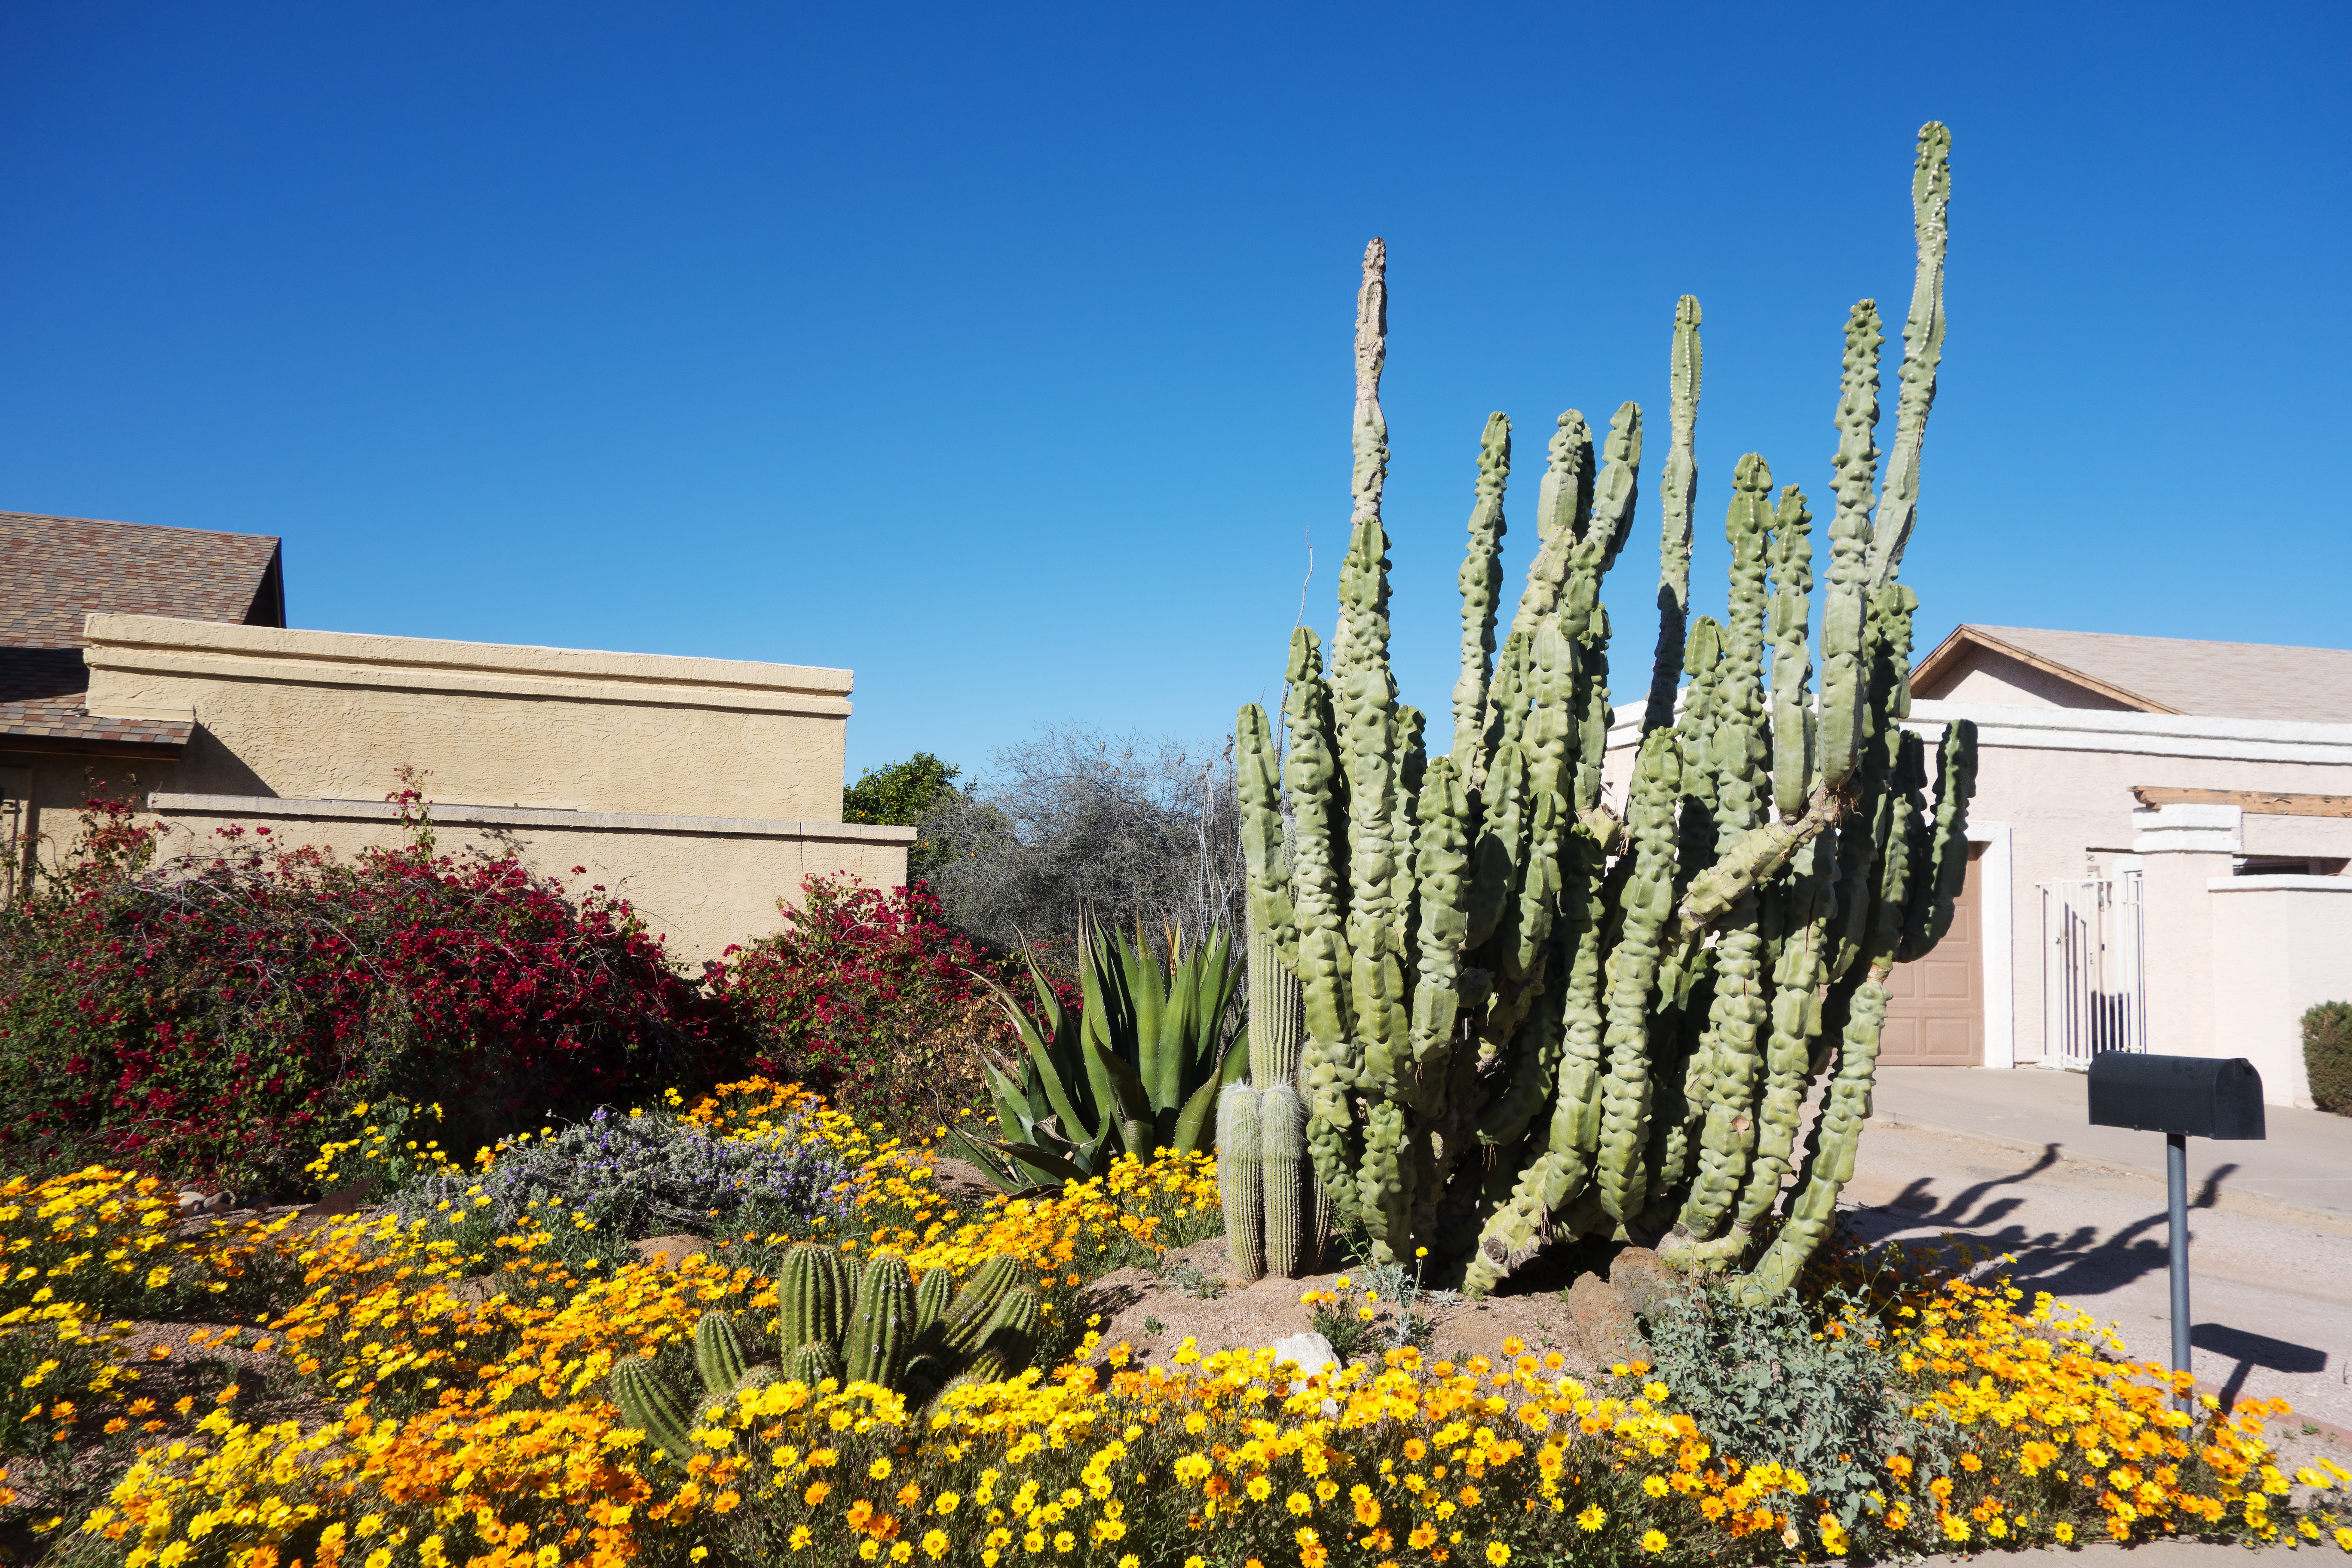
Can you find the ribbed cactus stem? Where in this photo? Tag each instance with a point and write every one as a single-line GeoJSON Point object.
{"type": "Point", "coordinates": [1932, 899]}
{"type": "Point", "coordinates": [1288, 1178]}
{"type": "Point", "coordinates": [1845, 607]}
{"type": "Point", "coordinates": [934, 1294]}
{"type": "Point", "coordinates": [1729, 1056]}
{"type": "Point", "coordinates": [983, 1289]}
{"type": "Point", "coordinates": [1923, 353]}
{"type": "Point", "coordinates": [720, 1358]}
{"type": "Point", "coordinates": [1678, 496]}
{"type": "Point", "coordinates": [1266, 854]}
{"type": "Point", "coordinates": [1837, 1132]}
{"type": "Point", "coordinates": [1440, 868]}
{"type": "Point", "coordinates": [1796, 1023]}
{"type": "Point", "coordinates": [1481, 582]}
{"type": "Point", "coordinates": [1359, 644]}
{"type": "Point", "coordinates": [1241, 1185]}
{"type": "Point", "coordinates": [649, 1404]}
{"type": "Point", "coordinates": [813, 1296]}
{"type": "Point", "coordinates": [1562, 511]}
{"type": "Point", "coordinates": [1278, 1020]}
{"type": "Point", "coordinates": [1648, 900]}
{"type": "Point", "coordinates": [883, 1331]}
{"type": "Point", "coordinates": [1385, 1182]}
{"type": "Point", "coordinates": [812, 1364]}
{"type": "Point", "coordinates": [1793, 715]}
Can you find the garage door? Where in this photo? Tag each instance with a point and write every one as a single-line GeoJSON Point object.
{"type": "Point", "coordinates": [1935, 1017]}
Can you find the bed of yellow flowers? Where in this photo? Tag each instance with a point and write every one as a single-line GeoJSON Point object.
{"type": "Point", "coordinates": [447, 1407]}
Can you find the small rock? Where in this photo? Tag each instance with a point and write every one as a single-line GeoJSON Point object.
{"type": "Point", "coordinates": [1608, 1309]}
{"type": "Point", "coordinates": [1312, 1353]}
{"type": "Point", "coordinates": [195, 1203]}
{"type": "Point", "coordinates": [668, 1251]}
{"type": "Point", "coordinates": [1644, 1280]}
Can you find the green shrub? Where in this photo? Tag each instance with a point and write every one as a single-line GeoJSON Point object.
{"type": "Point", "coordinates": [1813, 1386]}
{"type": "Point", "coordinates": [2327, 1056]}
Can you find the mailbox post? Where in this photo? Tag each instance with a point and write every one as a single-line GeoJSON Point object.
{"type": "Point", "coordinates": [2182, 1098]}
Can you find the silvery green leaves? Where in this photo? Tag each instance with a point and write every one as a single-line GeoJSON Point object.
{"type": "Point", "coordinates": [1617, 1003]}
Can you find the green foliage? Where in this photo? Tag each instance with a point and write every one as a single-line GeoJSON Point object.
{"type": "Point", "coordinates": [899, 794]}
{"type": "Point", "coordinates": [1617, 1016]}
{"type": "Point", "coordinates": [1814, 1387]}
{"type": "Point", "coordinates": [2327, 1056]}
{"type": "Point", "coordinates": [1136, 1069]}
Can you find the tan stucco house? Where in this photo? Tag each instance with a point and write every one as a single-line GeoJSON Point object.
{"type": "Point", "coordinates": [159, 660]}
{"type": "Point", "coordinates": [2160, 845]}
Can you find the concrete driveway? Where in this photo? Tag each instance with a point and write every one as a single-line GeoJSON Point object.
{"type": "Point", "coordinates": [2005, 1160]}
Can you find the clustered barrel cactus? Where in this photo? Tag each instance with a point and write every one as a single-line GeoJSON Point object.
{"type": "Point", "coordinates": [1529, 1014]}
{"type": "Point", "coordinates": [883, 1328]}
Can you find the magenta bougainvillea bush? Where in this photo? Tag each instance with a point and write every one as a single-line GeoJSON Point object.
{"type": "Point", "coordinates": [868, 997]}
{"type": "Point", "coordinates": [214, 1017]}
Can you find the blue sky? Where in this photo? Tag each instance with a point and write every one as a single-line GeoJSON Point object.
{"type": "Point", "coordinates": [1002, 354]}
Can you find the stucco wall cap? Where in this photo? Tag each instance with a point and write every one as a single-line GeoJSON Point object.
{"type": "Point", "coordinates": [109, 633]}
{"type": "Point", "coordinates": [2286, 884]}
{"type": "Point", "coordinates": [274, 808]}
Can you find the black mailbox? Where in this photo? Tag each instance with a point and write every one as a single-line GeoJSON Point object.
{"type": "Point", "coordinates": [2203, 1096]}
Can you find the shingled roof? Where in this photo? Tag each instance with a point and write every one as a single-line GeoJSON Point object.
{"type": "Point", "coordinates": [2167, 675]}
{"type": "Point", "coordinates": [55, 571]}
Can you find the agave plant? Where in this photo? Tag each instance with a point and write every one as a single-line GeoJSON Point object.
{"type": "Point", "coordinates": [1135, 1068]}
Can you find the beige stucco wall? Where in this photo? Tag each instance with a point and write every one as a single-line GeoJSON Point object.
{"type": "Point", "coordinates": [1983, 675]}
{"type": "Point", "coordinates": [703, 789]}
{"type": "Point", "coordinates": [2285, 943]}
{"type": "Point", "coordinates": [332, 715]}
{"type": "Point", "coordinates": [703, 883]}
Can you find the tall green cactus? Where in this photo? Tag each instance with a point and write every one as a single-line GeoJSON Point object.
{"type": "Point", "coordinates": [1623, 1009]}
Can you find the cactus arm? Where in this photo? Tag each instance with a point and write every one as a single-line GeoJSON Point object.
{"type": "Point", "coordinates": [1318, 894]}
{"type": "Point", "coordinates": [1266, 855]}
{"type": "Point", "coordinates": [1648, 900]}
{"type": "Point", "coordinates": [1837, 1131]}
{"type": "Point", "coordinates": [1562, 509]}
{"type": "Point", "coordinates": [1793, 718]}
{"type": "Point", "coordinates": [1728, 1058]}
{"type": "Point", "coordinates": [1329, 1065]}
{"type": "Point", "coordinates": [1241, 1190]}
{"type": "Point", "coordinates": [1384, 1184]}
{"type": "Point", "coordinates": [1796, 1023]}
{"type": "Point", "coordinates": [1482, 583]}
{"type": "Point", "coordinates": [1616, 494]}
{"type": "Point", "coordinates": [1360, 682]}
{"type": "Point", "coordinates": [1439, 864]}
{"type": "Point", "coordinates": [1923, 353]}
{"type": "Point", "coordinates": [1845, 607]}
{"type": "Point", "coordinates": [1678, 493]}
{"type": "Point", "coordinates": [1930, 915]}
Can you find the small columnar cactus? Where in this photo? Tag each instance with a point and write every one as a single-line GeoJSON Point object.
{"type": "Point", "coordinates": [1529, 1015]}
{"type": "Point", "coordinates": [1265, 1180]}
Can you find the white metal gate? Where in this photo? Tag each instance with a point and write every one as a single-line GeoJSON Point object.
{"type": "Point", "coordinates": [2094, 983]}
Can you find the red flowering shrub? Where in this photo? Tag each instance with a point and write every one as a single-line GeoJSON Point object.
{"type": "Point", "coordinates": [869, 997]}
{"type": "Point", "coordinates": [218, 1017]}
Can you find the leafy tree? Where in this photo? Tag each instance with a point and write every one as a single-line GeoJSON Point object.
{"type": "Point", "coordinates": [897, 794]}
